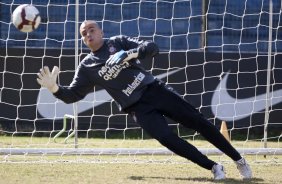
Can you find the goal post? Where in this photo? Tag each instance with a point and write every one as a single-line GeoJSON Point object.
{"type": "Point", "coordinates": [222, 56]}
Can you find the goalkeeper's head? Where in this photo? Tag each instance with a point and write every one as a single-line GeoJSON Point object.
{"type": "Point", "coordinates": [91, 34]}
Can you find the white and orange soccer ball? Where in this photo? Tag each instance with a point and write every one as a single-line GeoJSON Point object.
{"type": "Point", "coordinates": [26, 18]}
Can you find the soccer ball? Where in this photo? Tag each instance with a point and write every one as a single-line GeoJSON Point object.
{"type": "Point", "coordinates": [26, 18]}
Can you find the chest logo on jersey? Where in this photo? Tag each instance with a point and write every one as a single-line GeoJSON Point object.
{"type": "Point", "coordinates": [112, 49]}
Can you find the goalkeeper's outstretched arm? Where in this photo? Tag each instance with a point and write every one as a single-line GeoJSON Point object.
{"type": "Point", "coordinates": [73, 93]}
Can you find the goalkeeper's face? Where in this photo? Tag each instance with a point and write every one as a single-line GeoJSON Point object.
{"type": "Point", "coordinates": [91, 34]}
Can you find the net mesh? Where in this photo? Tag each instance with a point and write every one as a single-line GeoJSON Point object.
{"type": "Point", "coordinates": [214, 53]}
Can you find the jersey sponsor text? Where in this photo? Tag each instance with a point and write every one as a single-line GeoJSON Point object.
{"type": "Point", "coordinates": [131, 87]}
{"type": "Point", "coordinates": [109, 73]}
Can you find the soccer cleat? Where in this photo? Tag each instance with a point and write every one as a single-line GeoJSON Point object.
{"type": "Point", "coordinates": [244, 168]}
{"type": "Point", "coordinates": [218, 172]}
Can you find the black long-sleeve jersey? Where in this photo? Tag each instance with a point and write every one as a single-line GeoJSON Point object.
{"type": "Point", "coordinates": [125, 82]}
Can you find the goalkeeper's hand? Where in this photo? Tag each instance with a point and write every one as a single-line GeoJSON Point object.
{"type": "Point", "coordinates": [48, 79]}
{"type": "Point", "coordinates": [121, 56]}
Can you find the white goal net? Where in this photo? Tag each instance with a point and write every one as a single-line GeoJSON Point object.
{"type": "Point", "coordinates": [224, 57]}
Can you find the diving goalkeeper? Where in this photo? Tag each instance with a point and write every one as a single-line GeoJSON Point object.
{"type": "Point", "coordinates": [114, 65]}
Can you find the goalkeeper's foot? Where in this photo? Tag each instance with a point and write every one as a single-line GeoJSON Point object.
{"type": "Point", "coordinates": [244, 169]}
{"type": "Point", "coordinates": [218, 172]}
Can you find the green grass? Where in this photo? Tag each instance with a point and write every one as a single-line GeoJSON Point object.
{"type": "Point", "coordinates": [124, 169]}
{"type": "Point", "coordinates": [47, 142]}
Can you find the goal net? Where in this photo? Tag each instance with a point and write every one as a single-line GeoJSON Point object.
{"type": "Point", "coordinates": [224, 57]}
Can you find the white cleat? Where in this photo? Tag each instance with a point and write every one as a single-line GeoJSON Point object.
{"type": "Point", "coordinates": [218, 172]}
{"type": "Point", "coordinates": [244, 169]}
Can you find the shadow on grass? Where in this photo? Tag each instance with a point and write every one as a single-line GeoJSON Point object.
{"type": "Point", "coordinates": [199, 179]}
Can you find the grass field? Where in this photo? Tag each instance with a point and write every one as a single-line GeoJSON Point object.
{"type": "Point", "coordinates": [124, 169]}
{"type": "Point", "coordinates": [125, 173]}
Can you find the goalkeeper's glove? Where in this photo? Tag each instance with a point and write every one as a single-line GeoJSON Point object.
{"type": "Point", "coordinates": [121, 56]}
{"type": "Point", "coordinates": [48, 79]}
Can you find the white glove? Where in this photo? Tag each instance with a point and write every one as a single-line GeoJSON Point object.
{"type": "Point", "coordinates": [121, 56]}
{"type": "Point", "coordinates": [47, 79]}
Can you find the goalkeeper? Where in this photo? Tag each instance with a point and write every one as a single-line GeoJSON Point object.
{"type": "Point", "coordinates": [114, 65]}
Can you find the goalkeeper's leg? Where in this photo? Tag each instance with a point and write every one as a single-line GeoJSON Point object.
{"type": "Point", "coordinates": [181, 111]}
{"type": "Point", "coordinates": [178, 109]}
{"type": "Point", "coordinates": [191, 118]}
{"type": "Point", "coordinates": [154, 123]}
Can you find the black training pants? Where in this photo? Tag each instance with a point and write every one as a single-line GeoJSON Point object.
{"type": "Point", "coordinates": [160, 100]}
